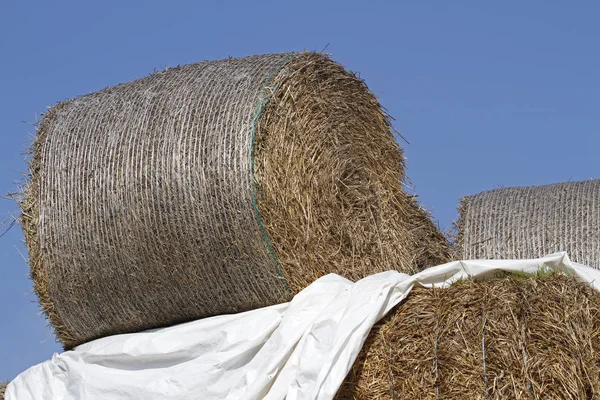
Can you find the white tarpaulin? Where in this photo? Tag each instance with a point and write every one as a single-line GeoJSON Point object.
{"type": "Point", "coordinates": [299, 350]}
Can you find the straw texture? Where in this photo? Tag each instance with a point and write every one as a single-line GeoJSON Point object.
{"type": "Point", "coordinates": [513, 338]}
{"type": "Point", "coordinates": [214, 188]}
{"type": "Point", "coordinates": [2, 390]}
{"type": "Point", "coordinates": [530, 222]}
{"type": "Point", "coordinates": [330, 178]}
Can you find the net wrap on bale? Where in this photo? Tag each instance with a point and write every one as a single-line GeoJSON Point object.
{"type": "Point", "coordinates": [510, 338]}
{"type": "Point", "coordinates": [530, 222]}
{"type": "Point", "coordinates": [214, 188]}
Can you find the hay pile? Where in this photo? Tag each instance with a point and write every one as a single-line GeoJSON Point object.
{"type": "Point", "coordinates": [530, 222]}
{"type": "Point", "coordinates": [214, 188]}
{"type": "Point", "coordinates": [2, 390]}
{"type": "Point", "coordinates": [539, 337]}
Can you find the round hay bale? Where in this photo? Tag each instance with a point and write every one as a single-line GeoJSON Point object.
{"type": "Point", "coordinates": [531, 222]}
{"type": "Point", "coordinates": [215, 188]}
{"type": "Point", "coordinates": [539, 337]}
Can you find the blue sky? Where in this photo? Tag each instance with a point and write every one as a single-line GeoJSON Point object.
{"type": "Point", "coordinates": [488, 94]}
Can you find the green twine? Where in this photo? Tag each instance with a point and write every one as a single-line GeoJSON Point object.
{"type": "Point", "coordinates": [263, 100]}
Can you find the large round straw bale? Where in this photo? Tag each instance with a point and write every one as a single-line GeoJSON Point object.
{"type": "Point", "coordinates": [215, 188]}
{"type": "Point", "coordinates": [531, 222]}
{"type": "Point", "coordinates": [512, 338]}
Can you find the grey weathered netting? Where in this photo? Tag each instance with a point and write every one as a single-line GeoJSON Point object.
{"type": "Point", "coordinates": [150, 203]}
{"type": "Point", "coordinates": [530, 222]}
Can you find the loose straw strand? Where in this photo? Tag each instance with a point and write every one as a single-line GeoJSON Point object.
{"type": "Point", "coordinates": [435, 359]}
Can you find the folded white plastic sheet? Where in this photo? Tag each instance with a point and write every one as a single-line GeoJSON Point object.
{"type": "Point", "coordinates": [299, 350]}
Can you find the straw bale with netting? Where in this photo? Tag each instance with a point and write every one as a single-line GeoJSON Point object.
{"type": "Point", "coordinates": [531, 222]}
{"type": "Point", "coordinates": [215, 188]}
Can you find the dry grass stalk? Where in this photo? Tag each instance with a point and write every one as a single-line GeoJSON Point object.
{"type": "Point", "coordinates": [540, 337]}
{"type": "Point", "coordinates": [214, 188]}
{"type": "Point", "coordinates": [531, 222]}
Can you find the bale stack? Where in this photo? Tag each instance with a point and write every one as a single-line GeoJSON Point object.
{"type": "Point", "coordinates": [215, 188]}
{"type": "Point", "coordinates": [530, 222]}
{"type": "Point", "coordinates": [515, 337]}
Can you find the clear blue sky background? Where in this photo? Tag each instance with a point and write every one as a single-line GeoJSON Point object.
{"type": "Point", "coordinates": [488, 94]}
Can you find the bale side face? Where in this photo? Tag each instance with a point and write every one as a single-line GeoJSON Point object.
{"type": "Point", "coordinates": [531, 222]}
{"type": "Point", "coordinates": [139, 211]}
{"type": "Point", "coordinates": [541, 338]}
{"type": "Point", "coordinates": [330, 180]}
